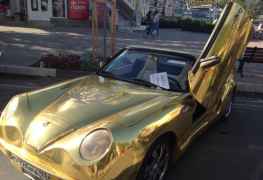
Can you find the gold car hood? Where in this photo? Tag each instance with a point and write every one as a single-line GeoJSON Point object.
{"type": "Point", "coordinates": [91, 100]}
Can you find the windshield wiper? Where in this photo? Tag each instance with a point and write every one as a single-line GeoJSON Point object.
{"type": "Point", "coordinates": [149, 84]}
{"type": "Point", "coordinates": [107, 74]}
{"type": "Point", "coordinates": [146, 83]}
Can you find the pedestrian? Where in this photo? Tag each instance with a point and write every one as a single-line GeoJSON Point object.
{"type": "Point", "coordinates": [149, 22]}
{"type": "Point", "coordinates": [156, 23]}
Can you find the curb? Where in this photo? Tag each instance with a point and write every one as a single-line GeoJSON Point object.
{"type": "Point", "coordinates": [242, 87]}
{"type": "Point", "coordinates": [28, 71]}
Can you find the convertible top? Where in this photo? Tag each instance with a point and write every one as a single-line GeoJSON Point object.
{"type": "Point", "coordinates": [190, 56]}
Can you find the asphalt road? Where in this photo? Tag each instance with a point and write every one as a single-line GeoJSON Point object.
{"type": "Point", "coordinates": [229, 150]}
{"type": "Point", "coordinates": [31, 43]}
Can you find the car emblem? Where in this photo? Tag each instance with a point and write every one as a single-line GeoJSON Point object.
{"type": "Point", "coordinates": [45, 124]}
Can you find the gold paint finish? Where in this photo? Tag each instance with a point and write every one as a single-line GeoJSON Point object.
{"type": "Point", "coordinates": [228, 43]}
{"type": "Point", "coordinates": [46, 127]}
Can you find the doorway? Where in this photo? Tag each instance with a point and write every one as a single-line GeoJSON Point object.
{"type": "Point", "coordinates": [59, 8]}
{"type": "Point", "coordinates": [39, 10]}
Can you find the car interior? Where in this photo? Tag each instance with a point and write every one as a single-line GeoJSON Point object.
{"type": "Point", "coordinates": [154, 66]}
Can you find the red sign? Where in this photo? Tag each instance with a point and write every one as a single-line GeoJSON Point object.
{"type": "Point", "coordinates": [3, 8]}
{"type": "Point", "coordinates": [78, 9]}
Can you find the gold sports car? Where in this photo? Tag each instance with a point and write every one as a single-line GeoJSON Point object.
{"type": "Point", "coordinates": [132, 118]}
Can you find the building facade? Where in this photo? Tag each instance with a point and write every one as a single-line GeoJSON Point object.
{"type": "Point", "coordinates": [167, 8]}
{"type": "Point", "coordinates": [180, 7]}
{"type": "Point", "coordinates": [45, 10]}
{"type": "Point", "coordinates": [205, 12]}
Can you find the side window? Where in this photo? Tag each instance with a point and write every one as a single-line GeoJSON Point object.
{"type": "Point", "coordinates": [34, 5]}
{"type": "Point", "coordinates": [44, 5]}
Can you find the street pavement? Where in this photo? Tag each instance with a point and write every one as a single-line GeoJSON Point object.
{"type": "Point", "coordinates": [25, 45]}
{"type": "Point", "coordinates": [30, 43]}
{"type": "Point", "coordinates": [256, 43]}
{"type": "Point", "coordinates": [228, 150]}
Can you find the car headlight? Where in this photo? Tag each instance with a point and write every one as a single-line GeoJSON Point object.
{"type": "Point", "coordinates": [96, 145]}
{"type": "Point", "coordinates": [10, 108]}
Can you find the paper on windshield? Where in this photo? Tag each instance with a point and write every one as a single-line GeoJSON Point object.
{"type": "Point", "coordinates": [160, 79]}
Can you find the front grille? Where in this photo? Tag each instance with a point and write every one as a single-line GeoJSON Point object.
{"type": "Point", "coordinates": [30, 170]}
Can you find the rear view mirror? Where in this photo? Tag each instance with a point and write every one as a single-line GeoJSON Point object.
{"type": "Point", "coordinates": [209, 62]}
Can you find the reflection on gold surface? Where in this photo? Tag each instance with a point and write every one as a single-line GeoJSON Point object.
{"type": "Point", "coordinates": [46, 127]}
{"type": "Point", "coordinates": [67, 105]}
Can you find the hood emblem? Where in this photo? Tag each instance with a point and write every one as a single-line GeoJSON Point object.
{"type": "Point", "coordinates": [46, 124]}
{"type": "Point", "coordinates": [88, 95]}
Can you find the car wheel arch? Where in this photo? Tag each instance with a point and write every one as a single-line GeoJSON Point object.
{"type": "Point", "coordinates": [172, 139]}
{"type": "Point", "coordinates": [166, 135]}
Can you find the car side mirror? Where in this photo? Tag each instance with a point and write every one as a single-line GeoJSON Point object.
{"type": "Point", "coordinates": [209, 62]}
{"type": "Point", "coordinates": [102, 63]}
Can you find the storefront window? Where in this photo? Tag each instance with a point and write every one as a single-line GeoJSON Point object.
{"type": "Point", "coordinates": [34, 5]}
{"type": "Point", "coordinates": [44, 5]}
{"type": "Point", "coordinates": [58, 8]}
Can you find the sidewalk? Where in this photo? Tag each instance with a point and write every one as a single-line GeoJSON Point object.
{"type": "Point", "coordinates": [256, 43]}
{"type": "Point", "coordinates": [24, 46]}
{"type": "Point", "coordinates": [252, 82]}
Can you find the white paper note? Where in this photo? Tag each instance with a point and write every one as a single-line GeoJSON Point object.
{"type": "Point", "coordinates": [160, 79]}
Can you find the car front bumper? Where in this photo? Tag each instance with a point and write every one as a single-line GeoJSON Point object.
{"type": "Point", "coordinates": [120, 167]}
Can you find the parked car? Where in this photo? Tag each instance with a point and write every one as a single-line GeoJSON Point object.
{"type": "Point", "coordinates": [132, 118]}
{"type": "Point", "coordinates": [259, 31]}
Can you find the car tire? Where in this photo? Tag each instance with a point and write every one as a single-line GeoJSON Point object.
{"type": "Point", "coordinates": [157, 161]}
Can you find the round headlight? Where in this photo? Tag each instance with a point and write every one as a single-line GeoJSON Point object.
{"type": "Point", "coordinates": [10, 108]}
{"type": "Point", "coordinates": [96, 145]}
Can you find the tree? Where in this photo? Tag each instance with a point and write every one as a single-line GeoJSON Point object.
{"type": "Point", "coordinates": [222, 3]}
{"type": "Point", "coordinates": [255, 6]}
{"type": "Point", "coordinates": [258, 8]}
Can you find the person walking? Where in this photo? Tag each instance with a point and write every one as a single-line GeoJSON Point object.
{"type": "Point", "coordinates": [149, 22]}
{"type": "Point", "coordinates": [156, 23]}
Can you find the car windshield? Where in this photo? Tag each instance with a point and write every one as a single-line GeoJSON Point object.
{"type": "Point", "coordinates": [153, 69]}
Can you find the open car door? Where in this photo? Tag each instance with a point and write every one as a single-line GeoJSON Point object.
{"type": "Point", "coordinates": [217, 61]}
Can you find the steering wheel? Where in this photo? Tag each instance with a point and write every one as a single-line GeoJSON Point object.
{"type": "Point", "coordinates": [175, 82]}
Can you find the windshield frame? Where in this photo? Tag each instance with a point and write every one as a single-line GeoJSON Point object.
{"type": "Point", "coordinates": [101, 71]}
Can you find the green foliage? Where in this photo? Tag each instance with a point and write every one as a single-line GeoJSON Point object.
{"type": "Point", "coordinates": [187, 24]}
{"type": "Point", "coordinates": [222, 3]}
{"type": "Point", "coordinates": [87, 62]}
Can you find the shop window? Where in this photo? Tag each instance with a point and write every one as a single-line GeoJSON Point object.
{"type": "Point", "coordinates": [34, 5]}
{"type": "Point", "coordinates": [44, 5]}
{"type": "Point", "coordinates": [58, 8]}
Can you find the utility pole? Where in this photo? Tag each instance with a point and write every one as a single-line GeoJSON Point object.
{"type": "Point", "coordinates": [113, 27]}
{"type": "Point", "coordinates": [94, 30]}
{"type": "Point", "coordinates": [105, 17]}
